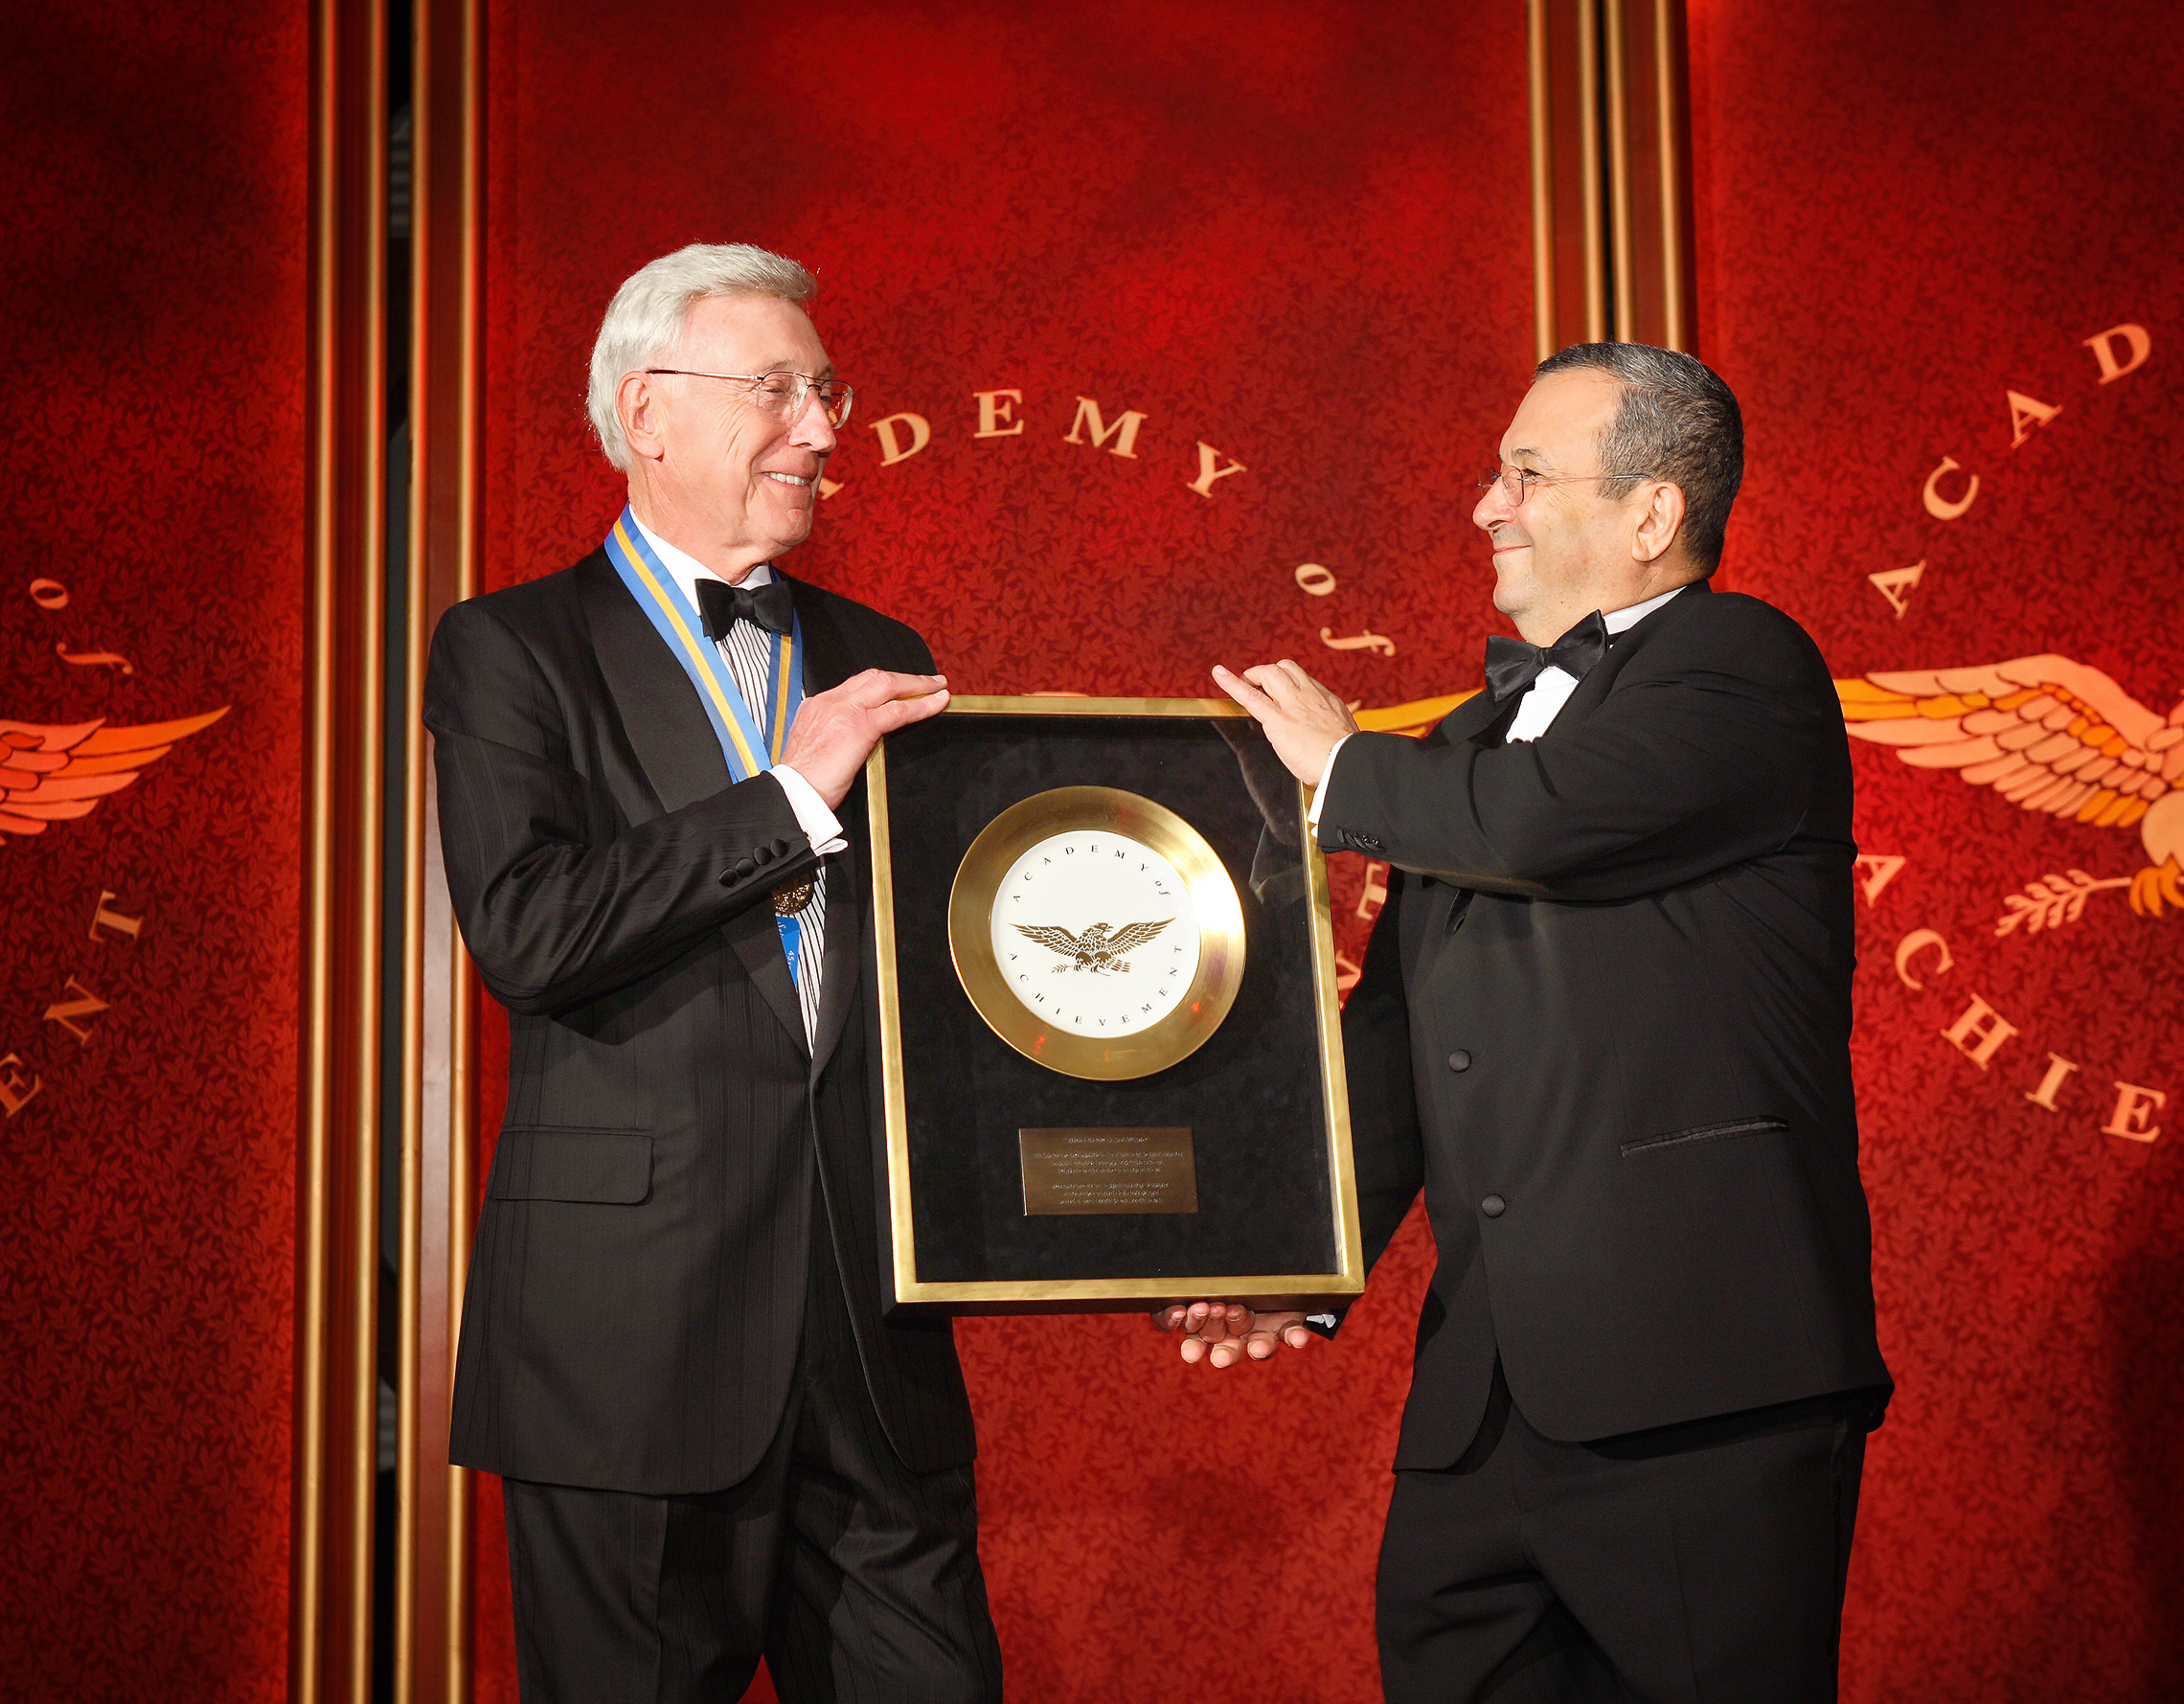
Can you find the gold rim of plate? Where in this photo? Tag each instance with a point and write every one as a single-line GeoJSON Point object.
{"type": "Point", "coordinates": [1062, 811]}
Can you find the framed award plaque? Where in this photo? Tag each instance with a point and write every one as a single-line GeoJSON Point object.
{"type": "Point", "coordinates": [1110, 1056]}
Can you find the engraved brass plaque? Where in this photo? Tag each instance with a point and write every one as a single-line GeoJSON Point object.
{"type": "Point", "coordinates": [1111, 1171]}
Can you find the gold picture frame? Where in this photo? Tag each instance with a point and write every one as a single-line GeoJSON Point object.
{"type": "Point", "coordinates": [1342, 1278]}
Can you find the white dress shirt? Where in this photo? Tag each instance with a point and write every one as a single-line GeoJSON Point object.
{"type": "Point", "coordinates": [748, 651]}
{"type": "Point", "coordinates": [1537, 705]}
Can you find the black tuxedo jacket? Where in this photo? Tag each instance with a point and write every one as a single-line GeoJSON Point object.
{"type": "Point", "coordinates": [1604, 1022]}
{"type": "Point", "coordinates": [636, 1290]}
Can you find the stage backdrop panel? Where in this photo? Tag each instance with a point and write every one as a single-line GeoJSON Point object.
{"type": "Point", "coordinates": [1940, 261]}
{"type": "Point", "coordinates": [1179, 337]}
{"type": "Point", "coordinates": [150, 643]}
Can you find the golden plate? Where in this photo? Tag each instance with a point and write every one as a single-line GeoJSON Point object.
{"type": "Point", "coordinates": [1046, 968]}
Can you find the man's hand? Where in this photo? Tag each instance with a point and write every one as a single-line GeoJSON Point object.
{"type": "Point", "coordinates": [834, 732]}
{"type": "Point", "coordinates": [1225, 1333]}
{"type": "Point", "coordinates": [1303, 720]}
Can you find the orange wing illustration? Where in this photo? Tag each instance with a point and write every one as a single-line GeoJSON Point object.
{"type": "Point", "coordinates": [2049, 734]}
{"type": "Point", "coordinates": [54, 775]}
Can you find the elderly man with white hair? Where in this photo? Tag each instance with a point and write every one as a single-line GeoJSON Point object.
{"type": "Point", "coordinates": [713, 1445]}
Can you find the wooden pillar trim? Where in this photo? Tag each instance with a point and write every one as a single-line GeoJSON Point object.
{"type": "Point", "coordinates": [336, 1411]}
{"type": "Point", "coordinates": [433, 1573]}
{"type": "Point", "coordinates": [1612, 173]}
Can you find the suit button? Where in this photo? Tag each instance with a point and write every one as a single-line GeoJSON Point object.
{"type": "Point", "coordinates": [1460, 1060]}
{"type": "Point", "coordinates": [781, 849]}
{"type": "Point", "coordinates": [1493, 1207]}
{"type": "Point", "coordinates": [763, 855]}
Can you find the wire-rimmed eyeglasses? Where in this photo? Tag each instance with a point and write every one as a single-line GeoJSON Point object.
{"type": "Point", "coordinates": [782, 395]}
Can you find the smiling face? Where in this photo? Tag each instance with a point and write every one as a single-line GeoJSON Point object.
{"type": "Point", "coordinates": [717, 475]}
{"type": "Point", "coordinates": [1565, 549]}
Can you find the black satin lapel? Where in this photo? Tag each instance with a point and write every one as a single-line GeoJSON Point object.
{"type": "Point", "coordinates": [666, 724]}
{"type": "Point", "coordinates": [757, 940]}
{"type": "Point", "coordinates": [1475, 719]}
{"type": "Point", "coordinates": [828, 661]}
{"type": "Point", "coordinates": [847, 877]}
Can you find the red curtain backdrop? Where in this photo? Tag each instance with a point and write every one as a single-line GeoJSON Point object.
{"type": "Point", "coordinates": [153, 455]}
{"type": "Point", "coordinates": [1905, 215]}
{"type": "Point", "coordinates": [1294, 237]}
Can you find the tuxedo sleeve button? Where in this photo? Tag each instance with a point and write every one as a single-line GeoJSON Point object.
{"type": "Point", "coordinates": [1493, 1207]}
{"type": "Point", "coordinates": [1460, 1060]}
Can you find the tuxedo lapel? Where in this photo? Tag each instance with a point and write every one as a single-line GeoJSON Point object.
{"type": "Point", "coordinates": [1600, 678]}
{"type": "Point", "coordinates": [679, 752]}
{"type": "Point", "coordinates": [757, 940]}
{"type": "Point", "coordinates": [1475, 719]}
{"type": "Point", "coordinates": [828, 661]}
{"type": "Point", "coordinates": [667, 725]}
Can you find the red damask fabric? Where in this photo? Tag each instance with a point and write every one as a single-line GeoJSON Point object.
{"type": "Point", "coordinates": [1297, 235]}
{"type": "Point", "coordinates": [1905, 214]}
{"type": "Point", "coordinates": [154, 197]}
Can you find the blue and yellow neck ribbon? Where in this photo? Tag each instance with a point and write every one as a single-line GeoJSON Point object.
{"type": "Point", "coordinates": [748, 749]}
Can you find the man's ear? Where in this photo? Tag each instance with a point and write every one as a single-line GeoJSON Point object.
{"type": "Point", "coordinates": [637, 406]}
{"type": "Point", "coordinates": [1659, 522]}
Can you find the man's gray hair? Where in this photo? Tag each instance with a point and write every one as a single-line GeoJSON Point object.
{"type": "Point", "coordinates": [1678, 421]}
{"type": "Point", "coordinates": [651, 310]}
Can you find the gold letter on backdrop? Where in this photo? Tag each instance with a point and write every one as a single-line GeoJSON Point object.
{"type": "Point", "coordinates": [103, 919]}
{"type": "Point", "coordinates": [1876, 871]}
{"type": "Point", "coordinates": [14, 1095]}
{"type": "Point", "coordinates": [1936, 506]}
{"type": "Point", "coordinates": [891, 447]}
{"type": "Point", "coordinates": [2104, 352]}
{"type": "Point", "coordinates": [1980, 1033]}
{"type": "Point", "coordinates": [993, 411]}
{"type": "Point", "coordinates": [2134, 1105]}
{"type": "Point", "coordinates": [85, 1005]}
{"type": "Point", "coordinates": [1911, 946]}
{"type": "Point", "coordinates": [2026, 413]}
{"type": "Point", "coordinates": [1372, 642]}
{"type": "Point", "coordinates": [1124, 431]}
{"type": "Point", "coordinates": [1896, 584]}
{"type": "Point", "coordinates": [1315, 580]}
{"type": "Point", "coordinates": [2058, 1068]}
{"type": "Point", "coordinates": [1208, 457]}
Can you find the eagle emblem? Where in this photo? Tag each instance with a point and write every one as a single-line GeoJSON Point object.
{"type": "Point", "coordinates": [1096, 949]}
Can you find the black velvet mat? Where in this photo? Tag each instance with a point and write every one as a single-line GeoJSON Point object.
{"type": "Point", "coordinates": [1251, 1095]}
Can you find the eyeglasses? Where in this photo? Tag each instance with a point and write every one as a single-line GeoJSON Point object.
{"type": "Point", "coordinates": [1515, 481]}
{"type": "Point", "coordinates": [782, 395]}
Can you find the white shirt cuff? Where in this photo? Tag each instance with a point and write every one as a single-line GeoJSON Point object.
{"type": "Point", "coordinates": [1312, 816]}
{"type": "Point", "coordinates": [812, 813]}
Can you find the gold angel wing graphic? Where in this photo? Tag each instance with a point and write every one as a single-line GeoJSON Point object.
{"type": "Point", "coordinates": [2049, 734]}
{"type": "Point", "coordinates": [1131, 936]}
{"type": "Point", "coordinates": [57, 774]}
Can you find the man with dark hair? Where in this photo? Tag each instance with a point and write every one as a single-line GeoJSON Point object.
{"type": "Point", "coordinates": [712, 1445]}
{"type": "Point", "coordinates": [1604, 1023]}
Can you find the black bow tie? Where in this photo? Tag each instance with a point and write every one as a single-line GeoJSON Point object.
{"type": "Point", "coordinates": [1513, 665]}
{"type": "Point", "coordinates": [722, 606]}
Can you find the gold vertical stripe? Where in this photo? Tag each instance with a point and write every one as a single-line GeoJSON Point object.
{"type": "Point", "coordinates": [1542, 180]}
{"type": "Point", "coordinates": [1672, 120]}
{"type": "Point", "coordinates": [433, 1572]}
{"type": "Point", "coordinates": [1588, 135]}
{"type": "Point", "coordinates": [1623, 265]}
{"type": "Point", "coordinates": [336, 1375]}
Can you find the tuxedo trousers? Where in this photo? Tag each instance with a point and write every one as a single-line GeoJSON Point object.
{"type": "Point", "coordinates": [856, 1578]}
{"type": "Point", "coordinates": [1703, 1562]}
